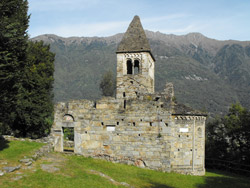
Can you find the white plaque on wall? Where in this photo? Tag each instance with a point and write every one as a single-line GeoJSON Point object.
{"type": "Point", "coordinates": [183, 130]}
{"type": "Point", "coordinates": [110, 128]}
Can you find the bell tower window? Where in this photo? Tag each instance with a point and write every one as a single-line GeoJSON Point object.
{"type": "Point", "coordinates": [129, 67]}
{"type": "Point", "coordinates": [136, 67]}
{"type": "Point", "coordinates": [133, 66]}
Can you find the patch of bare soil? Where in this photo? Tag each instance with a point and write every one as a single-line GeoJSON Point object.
{"type": "Point", "coordinates": [52, 162]}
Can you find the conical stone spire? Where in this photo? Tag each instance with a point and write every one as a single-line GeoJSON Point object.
{"type": "Point", "coordinates": [134, 40]}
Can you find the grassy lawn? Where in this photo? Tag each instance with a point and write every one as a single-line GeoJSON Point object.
{"type": "Point", "coordinates": [76, 171]}
{"type": "Point", "coordinates": [12, 151]}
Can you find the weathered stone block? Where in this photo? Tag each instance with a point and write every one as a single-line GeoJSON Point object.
{"type": "Point", "coordinates": [91, 144]}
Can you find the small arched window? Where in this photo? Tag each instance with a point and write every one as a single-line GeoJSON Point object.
{"type": "Point", "coordinates": [136, 67]}
{"type": "Point", "coordinates": [129, 67]}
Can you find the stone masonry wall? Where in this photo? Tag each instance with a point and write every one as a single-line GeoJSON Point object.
{"type": "Point", "coordinates": [129, 84]}
{"type": "Point", "coordinates": [145, 133]}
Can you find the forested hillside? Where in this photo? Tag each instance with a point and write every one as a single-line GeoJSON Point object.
{"type": "Point", "coordinates": [207, 74]}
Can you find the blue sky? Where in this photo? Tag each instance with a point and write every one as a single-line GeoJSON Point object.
{"type": "Point", "coordinates": [218, 19]}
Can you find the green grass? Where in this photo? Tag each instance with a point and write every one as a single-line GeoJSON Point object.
{"type": "Point", "coordinates": [41, 179]}
{"type": "Point", "coordinates": [77, 171]}
{"type": "Point", "coordinates": [15, 150]}
{"type": "Point", "coordinates": [148, 178]}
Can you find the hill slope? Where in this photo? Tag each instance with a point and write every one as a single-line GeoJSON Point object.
{"type": "Point", "coordinates": [63, 170]}
{"type": "Point", "coordinates": [207, 74]}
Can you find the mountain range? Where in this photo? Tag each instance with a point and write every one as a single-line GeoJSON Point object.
{"type": "Point", "coordinates": [207, 74]}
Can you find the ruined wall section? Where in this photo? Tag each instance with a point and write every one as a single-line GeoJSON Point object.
{"type": "Point", "coordinates": [144, 133]}
{"type": "Point", "coordinates": [67, 115]}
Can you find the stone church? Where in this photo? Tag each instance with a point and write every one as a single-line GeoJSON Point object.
{"type": "Point", "coordinates": [139, 126]}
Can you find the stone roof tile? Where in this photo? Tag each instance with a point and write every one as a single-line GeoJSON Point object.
{"type": "Point", "coordinates": [134, 40]}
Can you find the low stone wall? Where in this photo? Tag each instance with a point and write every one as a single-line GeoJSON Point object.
{"type": "Point", "coordinates": [44, 150]}
{"type": "Point", "coordinates": [48, 139]}
{"type": "Point", "coordinates": [68, 144]}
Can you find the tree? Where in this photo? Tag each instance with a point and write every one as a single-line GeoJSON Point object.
{"type": "Point", "coordinates": [26, 75]}
{"type": "Point", "coordinates": [229, 137]}
{"type": "Point", "coordinates": [13, 44]}
{"type": "Point", "coordinates": [35, 108]}
{"type": "Point", "coordinates": [107, 84]}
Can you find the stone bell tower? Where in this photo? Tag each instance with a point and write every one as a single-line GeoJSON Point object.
{"type": "Point", "coordinates": [135, 63]}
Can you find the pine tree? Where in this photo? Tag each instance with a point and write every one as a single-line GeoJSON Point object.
{"type": "Point", "coordinates": [13, 44]}
{"type": "Point", "coordinates": [35, 109]}
{"type": "Point", "coordinates": [26, 75]}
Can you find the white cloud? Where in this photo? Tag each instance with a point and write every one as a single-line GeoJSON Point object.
{"type": "Point", "coordinates": [221, 20]}
{"type": "Point", "coordinates": [189, 28]}
{"type": "Point", "coordinates": [111, 28]}
{"type": "Point", "coordinates": [95, 29]}
{"type": "Point", "coordinates": [164, 18]}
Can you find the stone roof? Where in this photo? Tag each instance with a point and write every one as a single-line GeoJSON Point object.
{"type": "Point", "coordinates": [134, 40]}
